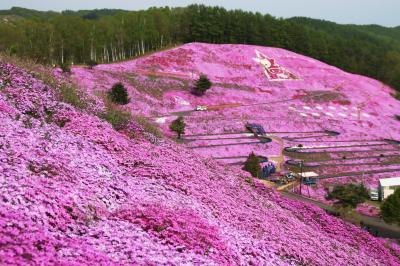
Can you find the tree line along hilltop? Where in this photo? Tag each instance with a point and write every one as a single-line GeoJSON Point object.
{"type": "Point", "coordinates": [108, 35]}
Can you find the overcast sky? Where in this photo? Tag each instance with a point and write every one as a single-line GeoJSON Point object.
{"type": "Point", "coordinates": [383, 12]}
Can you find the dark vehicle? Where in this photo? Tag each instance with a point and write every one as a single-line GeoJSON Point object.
{"type": "Point", "coordinates": [256, 129]}
{"type": "Point", "coordinates": [309, 181]}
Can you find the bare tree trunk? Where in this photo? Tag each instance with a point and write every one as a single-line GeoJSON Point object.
{"type": "Point", "coordinates": [62, 51]}
{"type": "Point", "coordinates": [112, 53]}
{"type": "Point", "coordinates": [51, 49]}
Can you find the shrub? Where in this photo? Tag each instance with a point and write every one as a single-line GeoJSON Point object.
{"type": "Point", "coordinates": [118, 94]}
{"type": "Point", "coordinates": [252, 165]}
{"type": "Point", "coordinates": [178, 126]}
{"type": "Point", "coordinates": [202, 85]}
{"type": "Point", "coordinates": [91, 64]}
{"type": "Point", "coordinates": [119, 119]}
{"type": "Point", "coordinates": [390, 208]}
{"type": "Point", "coordinates": [349, 195]}
{"type": "Point", "coordinates": [65, 67]}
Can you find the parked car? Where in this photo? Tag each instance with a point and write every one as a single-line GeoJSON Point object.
{"type": "Point", "coordinates": [291, 176]}
{"type": "Point", "coordinates": [201, 108]}
{"type": "Point", "coordinates": [373, 194]}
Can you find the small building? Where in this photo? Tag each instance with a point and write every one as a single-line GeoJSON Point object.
{"type": "Point", "coordinates": [387, 186]}
{"type": "Point", "coordinates": [309, 174]}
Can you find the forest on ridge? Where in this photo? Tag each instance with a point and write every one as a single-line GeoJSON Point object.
{"type": "Point", "coordinates": [113, 35]}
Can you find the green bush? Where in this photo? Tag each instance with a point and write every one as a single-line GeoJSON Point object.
{"type": "Point", "coordinates": [349, 195]}
{"type": "Point", "coordinates": [178, 126]}
{"type": "Point", "coordinates": [252, 165]}
{"type": "Point", "coordinates": [202, 85]}
{"type": "Point", "coordinates": [119, 119]}
{"type": "Point", "coordinates": [390, 208]}
{"type": "Point", "coordinates": [118, 94]}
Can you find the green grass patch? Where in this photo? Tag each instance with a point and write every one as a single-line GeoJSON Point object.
{"type": "Point", "coordinates": [117, 117]}
{"type": "Point", "coordinates": [67, 92]}
{"type": "Point", "coordinates": [71, 95]}
{"type": "Point", "coordinates": [148, 125]}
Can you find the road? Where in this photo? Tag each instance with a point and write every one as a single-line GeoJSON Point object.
{"type": "Point", "coordinates": [236, 105]}
{"type": "Point", "coordinates": [374, 225]}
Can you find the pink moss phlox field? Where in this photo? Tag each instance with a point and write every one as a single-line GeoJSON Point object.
{"type": "Point", "coordinates": [179, 227]}
{"type": "Point", "coordinates": [322, 98]}
{"type": "Point", "coordinates": [76, 192]}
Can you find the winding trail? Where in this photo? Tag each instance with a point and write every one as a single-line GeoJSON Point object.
{"type": "Point", "coordinates": [264, 141]}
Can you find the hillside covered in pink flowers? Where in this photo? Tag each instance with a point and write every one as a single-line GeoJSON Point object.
{"type": "Point", "coordinates": [295, 98]}
{"type": "Point", "coordinates": [74, 191]}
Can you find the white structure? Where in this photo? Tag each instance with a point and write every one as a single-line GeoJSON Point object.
{"type": "Point", "coordinates": [387, 186]}
{"type": "Point", "coordinates": [309, 174]}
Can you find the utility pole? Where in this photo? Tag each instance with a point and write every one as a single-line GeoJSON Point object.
{"type": "Point", "coordinates": [301, 175]}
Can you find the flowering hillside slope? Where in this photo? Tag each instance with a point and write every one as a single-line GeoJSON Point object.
{"type": "Point", "coordinates": [76, 192]}
{"type": "Point", "coordinates": [295, 98]}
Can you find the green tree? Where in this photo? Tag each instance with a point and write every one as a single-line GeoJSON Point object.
{"type": "Point", "coordinates": [202, 85]}
{"type": "Point", "coordinates": [390, 208]}
{"type": "Point", "coordinates": [178, 126]}
{"type": "Point", "coordinates": [252, 165]}
{"type": "Point", "coordinates": [118, 94]}
{"type": "Point", "coordinates": [349, 195]}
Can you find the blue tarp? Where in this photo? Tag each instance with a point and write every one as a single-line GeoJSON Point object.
{"type": "Point", "coordinates": [268, 170]}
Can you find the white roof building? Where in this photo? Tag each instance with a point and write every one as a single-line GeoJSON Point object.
{"type": "Point", "coordinates": [387, 186]}
{"type": "Point", "coordinates": [308, 174]}
{"type": "Point", "coordinates": [386, 182]}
